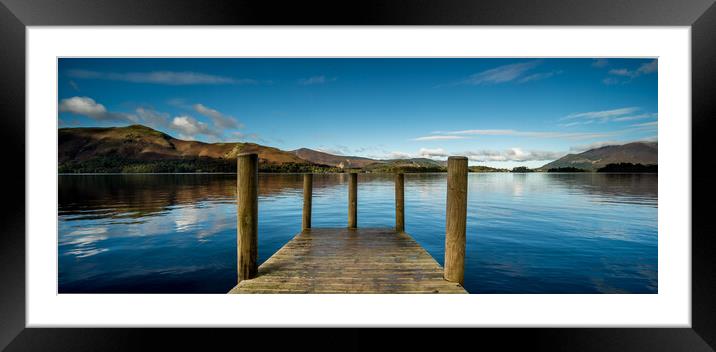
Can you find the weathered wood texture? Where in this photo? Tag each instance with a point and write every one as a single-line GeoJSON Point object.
{"type": "Point", "coordinates": [399, 202]}
{"type": "Point", "coordinates": [353, 200]}
{"type": "Point", "coordinates": [456, 219]}
{"type": "Point", "coordinates": [307, 200]}
{"type": "Point", "coordinates": [343, 260]}
{"type": "Point", "coordinates": [248, 212]}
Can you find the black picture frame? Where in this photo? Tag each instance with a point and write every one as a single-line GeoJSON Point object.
{"type": "Point", "coordinates": [16, 15]}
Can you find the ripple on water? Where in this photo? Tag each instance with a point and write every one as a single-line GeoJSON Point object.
{"type": "Point", "coordinates": [526, 233]}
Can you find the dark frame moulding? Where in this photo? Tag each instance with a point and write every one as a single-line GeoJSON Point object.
{"type": "Point", "coordinates": [15, 15]}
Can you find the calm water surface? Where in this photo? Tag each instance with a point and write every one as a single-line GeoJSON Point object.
{"type": "Point", "coordinates": [526, 233]}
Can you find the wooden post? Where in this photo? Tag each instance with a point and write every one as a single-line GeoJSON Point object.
{"type": "Point", "coordinates": [307, 198]}
{"type": "Point", "coordinates": [353, 200]}
{"type": "Point", "coordinates": [399, 202]}
{"type": "Point", "coordinates": [456, 219]}
{"type": "Point", "coordinates": [247, 221]}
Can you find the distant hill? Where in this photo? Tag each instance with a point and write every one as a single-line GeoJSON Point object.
{"type": "Point", "coordinates": [645, 153]}
{"type": "Point", "coordinates": [407, 165]}
{"type": "Point", "coordinates": [138, 148]}
{"type": "Point", "coordinates": [144, 143]}
{"type": "Point", "coordinates": [339, 161]}
{"type": "Point", "coordinates": [367, 164]}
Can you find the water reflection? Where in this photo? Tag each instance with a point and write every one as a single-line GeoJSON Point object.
{"type": "Point", "coordinates": [638, 188]}
{"type": "Point", "coordinates": [541, 232]}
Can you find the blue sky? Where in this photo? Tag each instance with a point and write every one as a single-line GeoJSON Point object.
{"type": "Point", "coordinates": [498, 112]}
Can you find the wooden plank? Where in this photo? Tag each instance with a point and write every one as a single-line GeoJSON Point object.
{"type": "Point", "coordinates": [347, 260]}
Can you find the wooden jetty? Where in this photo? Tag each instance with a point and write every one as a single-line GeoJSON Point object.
{"type": "Point", "coordinates": [351, 259]}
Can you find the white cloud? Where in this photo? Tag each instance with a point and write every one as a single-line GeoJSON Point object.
{"type": "Point", "coordinates": [501, 74]}
{"type": "Point", "coordinates": [636, 117]}
{"type": "Point", "coordinates": [432, 153]}
{"type": "Point", "coordinates": [615, 115]}
{"type": "Point", "coordinates": [316, 80]}
{"type": "Point", "coordinates": [574, 123]}
{"type": "Point", "coordinates": [512, 154]}
{"type": "Point", "coordinates": [534, 134]}
{"type": "Point", "coordinates": [159, 77]}
{"type": "Point", "coordinates": [647, 124]}
{"type": "Point", "coordinates": [83, 106]}
{"type": "Point", "coordinates": [187, 126]}
{"type": "Point", "coordinates": [438, 138]}
{"type": "Point", "coordinates": [643, 69]}
{"type": "Point", "coordinates": [604, 114]}
{"type": "Point", "coordinates": [485, 132]}
{"type": "Point", "coordinates": [190, 127]}
{"type": "Point", "coordinates": [86, 106]}
{"type": "Point", "coordinates": [486, 155]}
{"type": "Point", "coordinates": [219, 119]}
{"type": "Point", "coordinates": [508, 73]}
{"type": "Point", "coordinates": [539, 76]}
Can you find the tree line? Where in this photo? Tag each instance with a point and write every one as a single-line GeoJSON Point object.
{"type": "Point", "coordinates": [110, 164]}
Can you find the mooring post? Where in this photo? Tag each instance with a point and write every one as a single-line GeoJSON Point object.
{"type": "Point", "coordinates": [456, 219]}
{"type": "Point", "coordinates": [247, 221]}
{"type": "Point", "coordinates": [307, 196]}
{"type": "Point", "coordinates": [399, 202]}
{"type": "Point", "coordinates": [353, 200]}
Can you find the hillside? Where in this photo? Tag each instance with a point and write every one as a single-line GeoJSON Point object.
{"type": "Point", "coordinates": [144, 143]}
{"type": "Point", "coordinates": [645, 153]}
{"type": "Point", "coordinates": [339, 161]}
{"type": "Point", "coordinates": [138, 148]}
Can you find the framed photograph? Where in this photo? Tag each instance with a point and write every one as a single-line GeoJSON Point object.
{"type": "Point", "coordinates": [398, 165]}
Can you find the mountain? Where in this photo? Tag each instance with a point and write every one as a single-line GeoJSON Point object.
{"type": "Point", "coordinates": [116, 148]}
{"type": "Point", "coordinates": [138, 149]}
{"type": "Point", "coordinates": [374, 165]}
{"type": "Point", "coordinates": [645, 153]}
{"type": "Point", "coordinates": [339, 161]}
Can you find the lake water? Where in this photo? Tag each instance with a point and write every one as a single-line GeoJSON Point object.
{"type": "Point", "coordinates": [526, 233]}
